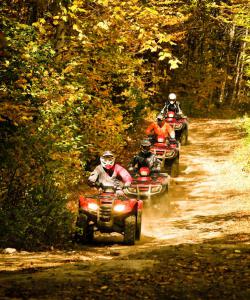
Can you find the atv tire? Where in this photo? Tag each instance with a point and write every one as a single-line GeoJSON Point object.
{"type": "Point", "coordinates": [175, 168]}
{"type": "Point", "coordinates": [130, 230]}
{"type": "Point", "coordinates": [184, 137]}
{"type": "Point", "coordinates": [138, 226]}
{"type": "Point", "coordinates": [84, 232]}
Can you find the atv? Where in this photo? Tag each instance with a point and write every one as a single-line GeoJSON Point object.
{"type": "Point", "coordinates": [168, 151]}
{"type": "Point", "coordinates": [147, 185]}
{"type": "Point", "coordinates": [180, 125]}
{"type": "Point", "coordinates": [107, 212]}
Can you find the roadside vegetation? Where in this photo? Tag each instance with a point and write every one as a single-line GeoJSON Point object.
{"type": "Point", "coordinates": [245, 156]}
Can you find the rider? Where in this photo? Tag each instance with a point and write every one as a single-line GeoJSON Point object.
{"type": "Point", "coordinates": [172, 105]}
{"type": "Point", "coordinates": [145, 158]}
{"type": "Point", "coordinates": [110, 173]}
{"type": "Point", "coordinates": [160, 127]}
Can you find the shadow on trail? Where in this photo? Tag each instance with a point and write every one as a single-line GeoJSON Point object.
{"type": "Point", "coordinates": [223, 217]}
{"type": "Point", "coordinates": [213, 269]}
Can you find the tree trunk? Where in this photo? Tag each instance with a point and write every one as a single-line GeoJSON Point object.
{"type": "Point", "coordinates": [242, 67]}
{"type": "Point", "coordinates": [224, 82]}
{"type": "Point", "coordinates": [239, 71]}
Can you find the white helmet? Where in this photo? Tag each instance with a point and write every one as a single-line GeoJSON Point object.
{"type": "Point", "coordinates": [172, 96]}
{"type": "Point", "coordinates": [107, 159]}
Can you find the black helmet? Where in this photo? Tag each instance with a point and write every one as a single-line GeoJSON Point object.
{"type": "Point", "coordinates": [145, 145]}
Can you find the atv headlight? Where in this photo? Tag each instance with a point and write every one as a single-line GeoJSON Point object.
{"type": "Point", "coordinates": [93, 206]}
{"type": "Point", "coordinates": [119, 207]}
{"type": "Point", "coordinates": [156, 189]}
{"type": "Point", "coordinates": [132, 190]}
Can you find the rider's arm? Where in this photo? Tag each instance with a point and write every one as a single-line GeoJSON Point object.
{"type": "Point", "coordinates": [133, 163]}
{"type": "Point", "coordinates": [170, 131]}
{"type": "Point", "coordinates": [150, 128]}
{"type": "Point", "coordinates": [179, 108]}
{"type": "Point", "coordinates": [124, 174]}
{"type": "Point", "coordinates": [164, 109]}
{"type": "Point", "coordinates": [156, 164]}
{"type": "Point", "coordinates": [93, 177]}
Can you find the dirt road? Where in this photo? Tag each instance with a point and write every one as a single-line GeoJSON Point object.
{"type": "Point", "coordinates": [197, 248]}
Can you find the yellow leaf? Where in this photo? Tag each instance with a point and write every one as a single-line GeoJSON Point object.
{"type": "Point", "coordinates": [42, 21]}
{"type": "Point", "coordinates": [163, 55]}
{"type": "Point", "coordinates": [35, 24]}
{"type": "Point", "coordinates": [76, 27]}
{"type": "Point", "coordinates": [152, 11]}
{"type": "Point", "coordinates": [174, 63]}
{"type": "Point", "coordinates": [104, 2]}
{"type": "Point", "coordinates": [104, 25]}
{"type": "Point", "coordinates": [26, 118]}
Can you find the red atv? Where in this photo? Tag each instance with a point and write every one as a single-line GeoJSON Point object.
{"type": "Point", "coordinates": [146, 184]}
{"type": "Point", "coordinates": [108, 212]}
{"type": "Point", "coordinates": [168, 152]}
{"type": "Point", "coordinates": [180, 125]}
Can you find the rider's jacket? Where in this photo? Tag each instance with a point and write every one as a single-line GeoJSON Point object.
{"type": "Point", "coordinates": [147, 159]}
{"type": "Point", "coordinates": [166, 130]}
{"type": "Point", "coordinates": [112, 177]}
{"type": "Point", "coordinates": [175, 107]}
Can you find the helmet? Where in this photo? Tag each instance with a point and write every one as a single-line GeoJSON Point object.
{"type": "Point", "coordinates": [160, 117]}
{"type": "Point", "coordinates": [172, 96]}
{"type": "Point", "coordinates": [107, 159]}
{"type": "Point", "coordinates": [145, 145]}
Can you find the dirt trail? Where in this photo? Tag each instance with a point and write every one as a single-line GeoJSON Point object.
{"type": "Point", "coordinates": [208, 192]}
{"type": "Point", "coordinates": [190, 250]}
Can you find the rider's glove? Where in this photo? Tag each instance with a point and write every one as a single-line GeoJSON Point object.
{"type": "Point", "coordinates": [131, 169]}
{"type": "Point", "coordinates": [127, 184]}
{"type": "Point", "coordinates": [157, 170]}
{"type": "Point", "coordinates": [96, 184]}
{"type": "Point", "coordinates": [172, 141]}
{"type": "Point", "coordinates": [172, 135]}
{"type": "Point", "coordinates": [91, 183]}
{"type": "Point", "coordinates": [119, 192]}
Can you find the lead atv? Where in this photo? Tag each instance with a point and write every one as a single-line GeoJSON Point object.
{"type": "Point", "coordinates": [180, 125]}
{"type": "Point", "coordinates": [168, 151]}
{"type": "Point", "coordinates": [108, 212]}
{"type": "Point", "coordinates": [148, 185]}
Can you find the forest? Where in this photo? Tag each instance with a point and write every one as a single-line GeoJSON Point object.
{"type": "Point", "coordinates": [79, 75]}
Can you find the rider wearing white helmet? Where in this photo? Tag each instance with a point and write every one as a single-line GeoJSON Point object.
{"type": "Point", "coordinates": [172, 105]}
{"type": "Point", "coordinates": [109, 173]}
